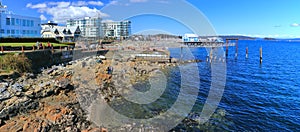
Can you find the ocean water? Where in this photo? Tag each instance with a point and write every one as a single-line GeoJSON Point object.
{"type": "Point", "coordinates": [257, 97]}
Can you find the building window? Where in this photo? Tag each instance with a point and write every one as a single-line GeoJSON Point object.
{"type": "Point", "coordinates": [17, 22]}
{"type": "Point", "coordinates": [24, 23]}
{"type": "Point", "coordinates": [28, 23]}
{"type": "Point", "coordinates": [31, 23]}
{"type": "Point", "coordinates": [12, 21]}
{"type": "Point", "coordinates": [17, 31]}
{"type": "Point", "coordinates": [12, 31]}
{"type": "Point", "coordinates": [8, 31]}
{"type": "Point", "coordinates": [7, 21]}
{"type": "Point", "coordinates": [23, 32]}
{"type": "Point", "coordinates": [2, 31]}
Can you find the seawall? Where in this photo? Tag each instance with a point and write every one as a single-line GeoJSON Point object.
{"type": "Point", "coordinates": [45, 58]}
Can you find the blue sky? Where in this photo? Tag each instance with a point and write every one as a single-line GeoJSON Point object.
{"type": "Point", "coordinates": [260, 18]}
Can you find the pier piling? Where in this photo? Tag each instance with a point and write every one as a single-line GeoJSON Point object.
{"type": "Point", "coordinates": [246, 52]}
{"type": "Point", "coordinates": [226, 47]}
{"type": "Point", "coordinates": [236, 45]}
{"type": "Point", "coordinates": [236, 50]}
{"type": "Point", "coordinates": [2, 50]}
{"type": "Point", "coordinates": [207, 58]}
{"type": "Point", "coordinates": [261, 53]}
{"type": "Point", "coordinates": [22, 49]}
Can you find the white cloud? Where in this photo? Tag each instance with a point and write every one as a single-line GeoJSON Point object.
{"type": "Point", "coordinates": [62, 11]}
{"type": "Point", "coordinates": [63, 4]}
{"type": "Point", "coordinates": [295, 25]}
{"type": "Point", "coordinates": [42, 5]}
{"type": "Point", "coordinates": [43, 18]}
{"type": "Point", "coordinates": [74, 12]}
{"type": "Point", "coordinates": [79, 3]}
{"type": "Point", "coordinates": [96, 3]}
{"type": "Point", "coordinates": [114, 2]}
{"type": "Point", "coordinates": [138, 1]}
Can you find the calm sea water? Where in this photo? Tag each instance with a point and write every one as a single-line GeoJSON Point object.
{"type": "Point", "coordinates": [257, 97]}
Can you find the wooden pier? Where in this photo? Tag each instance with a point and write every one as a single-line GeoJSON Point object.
{"type": "Point", "coordinates": [206, 44]}
{"type": "Point", "coordinates": [212, 45]}
{"type": "Point", "coordinates": [209, 43]}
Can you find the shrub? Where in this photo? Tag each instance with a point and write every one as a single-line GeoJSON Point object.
{"type": "Point", "coordinates": [15, 62]}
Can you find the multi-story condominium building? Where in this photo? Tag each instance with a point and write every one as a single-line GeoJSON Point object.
{"type": "Point", "coordinates": [12, 25]}
{"type": "Point", "coordinates": [119, 30]}
{"type": "Point", "coordinates": [61, 33]}
{"type": "Point", "coordinates": [90, 27]}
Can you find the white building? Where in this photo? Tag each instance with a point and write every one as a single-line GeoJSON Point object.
{"type": "Point", "coordinates": [90, 27]}
{"type": "Point", "coordinates": [119, 30]}
{"type": "Point", "coordinates": [190, 38]}
{"type": "Point", "coordinates": [61, 33]}
{"type": "Point", "coordinates": [12, 25]}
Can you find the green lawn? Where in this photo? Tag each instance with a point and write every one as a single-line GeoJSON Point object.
{"type": "Point", "coordinates": [29, 44]}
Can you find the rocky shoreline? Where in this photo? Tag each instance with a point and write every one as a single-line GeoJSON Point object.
{"type": "Point", "coordinates": [48, 101]}
{"type": "Point", "coordinates": [43, 102]}
{"type": "Point", "coordinates": [59, 98]}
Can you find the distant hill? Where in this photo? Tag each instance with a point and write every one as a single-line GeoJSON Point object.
{"type": "Point", "coordinates": [266, 38]}
{"type": "Point", "coordinates": [224, 37]}
{"type": "Point", "coordinates": [290, 39]}
{"type": "Point", "coordinates": [296, 39]}
{"type": "Point", "coordinates": [280, 39]}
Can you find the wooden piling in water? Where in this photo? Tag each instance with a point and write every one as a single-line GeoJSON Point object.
{"type": "Point", "coordinates": [33, 48]}
{"type": "Point", "coordinates": [236, 49]}
{"type": "Point", "coordinates": [246, 52]}
{"type": "Point", "coordinates": [22, 49]}
{"type": "Point", "coordinates": [226, 48]}
{"type": "Point", "coordinates": [207, 58]}
{"type": "Point", "coordinates": [2, 50]}
{"type": "Point", "coordinates": [261, 53]}
{"type": "Point", "coordinates": [236, 46]}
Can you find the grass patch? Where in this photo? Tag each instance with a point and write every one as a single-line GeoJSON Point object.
{"type": "Point", "coordinates": [30, 44]}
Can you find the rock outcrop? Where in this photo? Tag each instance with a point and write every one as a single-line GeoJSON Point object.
{"type": "Point", "coordinates": [59, 98]}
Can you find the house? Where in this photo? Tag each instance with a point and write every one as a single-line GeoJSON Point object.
{"type": "Point", "coordinates": [190, 38]}
{"type": "Point", "coordinates": [61, 33]}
